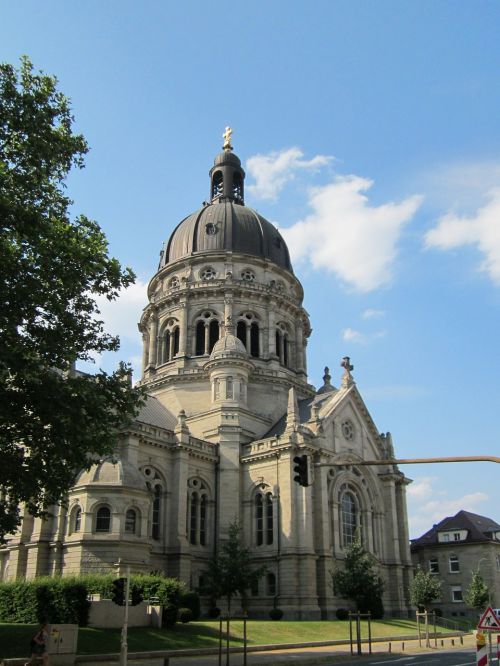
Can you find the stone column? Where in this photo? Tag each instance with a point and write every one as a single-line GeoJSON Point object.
{"type": "Point", "coordinates": [182, 329]}
{"type": "Point", "coordinates": [272, 334]}
{"type": "Point", "coordinates": [153, 339]}
{"type": "Point", "coordinates": [299, 348]}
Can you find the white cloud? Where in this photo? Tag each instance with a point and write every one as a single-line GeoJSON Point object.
{"type": "Point", "coordinates": [373, 314]}
{"type": "Point", "coordinates": [481, 229]}
{"type": "Point", "coordinates": [122, 315]}
{"type": "Point", "coordinates": [428, 506]}
{"type": "Point", "coordinates": [350, 335]}
{"type": "Point", "coordinates": [346, 236]}
{"type": "Point", "coordinates": [272, 171]}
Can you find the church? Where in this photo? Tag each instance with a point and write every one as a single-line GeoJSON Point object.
{"type": "Point", "coordinates": [228, 409]}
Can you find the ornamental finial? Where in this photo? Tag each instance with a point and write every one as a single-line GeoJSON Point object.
{"type": "Point", "coordinates": [347, 379]}
{"type": "Point", "coordinates": [227, 139]}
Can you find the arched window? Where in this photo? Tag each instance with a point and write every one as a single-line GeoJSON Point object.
{"type": "Point", "coordinates": [197, 514]}
{"type": "Point", "coordinates": [103, 520]}
{"type": "Point", "coordinates": [264, 523]}
{"type": "Point", "coordinates": [131, 521]}
{"type": "Point", "coordinates": [77, 520]}
{"type": "Point", "coordinates": [247, 330]}
{"type": "Point", "coordinates": [200, 338]}
{"type": "Point", "coordinates": [207, 333]}
{"type": "Point", "coordinates": [283, 345]}
{"type": "Point", "coordinates": [237, 187]}
{"type": "Point", "coordinates": [217, 184]}
{"type": "Point", "coordinates": [156, 517]}
{"type": "Point", "coordinates": [241, 332]}
{"type": "Point", "coordinates": [229, 388]}
{"type": "Point", "coordinates": [254, 340]}
{"type": "Point", "coordinates": [170, 341]}
{"type": "Point", "coordinates": [213, 334]}
{"type": "Point", "coordinates": [271, 584]}
{"type": "Point", "coordinates": [350, 519]}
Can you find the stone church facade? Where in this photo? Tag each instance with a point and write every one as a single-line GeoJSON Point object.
{"type": "Point", "coordinates": [228, 408]}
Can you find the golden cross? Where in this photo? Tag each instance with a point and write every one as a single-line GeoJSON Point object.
{"type": "Point", "coordinates": [227, 139]}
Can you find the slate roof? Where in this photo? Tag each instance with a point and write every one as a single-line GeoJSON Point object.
{"type": "Point", "coordinates": [155, 414]}
{"type": "Point", "coordinates": [305, 411]}
{"type": "Point", "coordinates": [479, 528]}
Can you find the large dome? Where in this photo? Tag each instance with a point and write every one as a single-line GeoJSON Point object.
{"type": "Point", "coordinates": [227, 226]}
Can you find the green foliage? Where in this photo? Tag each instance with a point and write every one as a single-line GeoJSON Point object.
{"type": "Point", "coordinates": [53, 422]}
{"type": "Point", "coordinates": [191, 600]}
{"type": "Point", "coordinates": [424, 588]}
{"type": "Point", "coordinates": [61, 600]}
{"type": "Point", "coordinates": [477, 595]}
{"type": "Point", "coordinates": [169, 617]}
{"type": "Point", "coordinates": [230, 572]}
{"type": "Point", "coordinates": [275, 614]}
{"type": "Point", "coordinates": [66, 599]}
{"type": "Point", "coordinates": [342, 614]}
{"type": "Point", "coordinates": [185, 615]}
{"type": "Point", "coordinates": [359, 581]}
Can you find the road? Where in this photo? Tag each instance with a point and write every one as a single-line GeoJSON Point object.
{"type": "Point", "coordinates": [453, 658]}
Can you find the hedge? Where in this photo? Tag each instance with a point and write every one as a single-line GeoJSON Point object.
{"type": "Point", "coordinates": [65, 600]}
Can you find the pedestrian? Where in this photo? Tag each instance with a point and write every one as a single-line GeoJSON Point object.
{"type": "Point", "coordinates": [38, 646]}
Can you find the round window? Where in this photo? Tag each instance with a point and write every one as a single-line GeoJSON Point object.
{"type": "Point", "coordinates": [208, 274]}
{"type": "Point", "coordinates": [348, 430]}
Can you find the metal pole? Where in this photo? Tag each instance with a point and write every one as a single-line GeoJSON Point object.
{"type": "Point", "coordinates": [350, 632]}
{"type": "Point", "coordinates": [220, 639]}
{"type": "Point", "coordinates": [370, 631]}
{"type": "Point", "coordinates": [358, 632]}
{"type": "Point", "coordinates": [245, 640]}
{"type": "Point", "coordinates": [227, 640]}
{"type": "Point", "coordinates": [435, 629]}
{"type": "Point", "coordinates": [124, 646]}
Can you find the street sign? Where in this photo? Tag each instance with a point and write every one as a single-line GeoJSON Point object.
{"type": "Point", "coordinates": [489, 621]}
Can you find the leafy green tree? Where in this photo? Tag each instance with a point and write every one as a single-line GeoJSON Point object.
{"type": "Point", "coordinates": [359, 580]}
{"type": "Point", "coordinates": [424, 588]}
{"type": "Point", "coordinates": [230, 572]}
{"type": "Point", "coordinates": [53, 421]}
{"type": "Point", "coordinates": [477, 595]}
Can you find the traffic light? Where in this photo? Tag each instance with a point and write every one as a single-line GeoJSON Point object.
{"type": "Point", "coordinates": [118, 592]}
{"type": "Point", "coordinates": [301, 470]}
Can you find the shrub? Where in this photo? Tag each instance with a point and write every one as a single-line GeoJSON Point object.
{"type": "Point", "coordinates": [185, 615]}
{"type": "Point", "coordinates": [342, 614]}
{"type": "Point", "coordinates": [169, 617]}
{"type": "Point", "coordinates": [275, 613]}
{"type": "Point", "coordinates": [213, 612]}
{"type": "Point", "coordinates": [191, 600]}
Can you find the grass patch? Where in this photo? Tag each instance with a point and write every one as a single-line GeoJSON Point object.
{"type": "Point", "coordinates": [15, 638]}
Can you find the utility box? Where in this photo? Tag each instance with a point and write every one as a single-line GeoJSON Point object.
{"type": "Point", "coordinates": [62, 644]}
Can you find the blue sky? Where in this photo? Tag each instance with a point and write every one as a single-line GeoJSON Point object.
{"type": "Point", "coordinates": [370, 135]}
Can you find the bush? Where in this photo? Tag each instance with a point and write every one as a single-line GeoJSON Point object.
{"type": "Point", "coordinates": [62, 600]}
{"type": "Point", "coordinates": [213, 612]}
{"type": "Point", "coordinates": [185, 615]}
{"type": "Point", "coordinates": [169, 617]}
{"type": "Point", "coordinates": [191, 600]}
{"type": "Point", "coordinates": [342, 614]}
{"type": "Point", "coordinates": [275, 613]}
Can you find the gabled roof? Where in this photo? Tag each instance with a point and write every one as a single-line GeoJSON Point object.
{"type": "Point", "coordinates": [305, 412]}
{"type": "Point", "coordinates": [479, 528]}
{"type": "Point", "coordinates": [154, 413]}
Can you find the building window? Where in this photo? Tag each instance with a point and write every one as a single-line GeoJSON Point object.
{"type": "Point", "coordinates": [76, 520]}
{"type": "Point", "coordinates": [208, 274]}
{"type": "Point", "coordinates": [130, 521]}
{"type": "Point", "coordinates": [103, 520]}
{"type": "Point", "coordinates": [446, 537]}
{"type": "Point", "coordinates": [350, 519]}
{"type": "Point", "coordinates": [498, 562]}
{"type": "Point", "coordinates": [170, 343]}
{"type": "Point", "coordinates": [282, 345]}
{"type": "Point", "coordinates": [247, 275]}
{"type": "Point", "coordinates": [229, 388]}
{"type": "Point", "coordinates": [206, 333]}
{"type": "Point", "coordinates": [456, 593]}
{"type": "Point", "coordinates": [271, 584]}
{"type": "Point", "coordinates": [434, 565]}
{"type": "Point", "coordinates": [347, 428]}
{"type": "Point", "coordinates": [155, 522]}
{"type": "Point", "coordinates": [264, 527]}
{"type": "Point", "coordinates": [456, 536]}
{"type": "Point", "coordinates": [197, 516]}
{"type": "Point", "coordinates": [454, 564]}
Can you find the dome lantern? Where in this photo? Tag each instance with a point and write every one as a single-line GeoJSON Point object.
{"type": "Point", "coordinates": [227, 175]}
